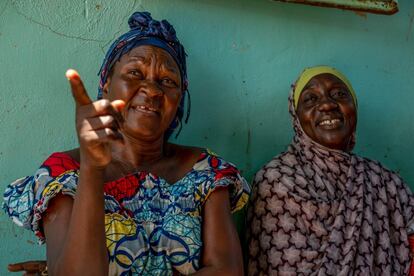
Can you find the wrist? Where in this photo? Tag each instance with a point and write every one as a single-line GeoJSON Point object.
{"type": "Point", "coordinates": [90, 164]}
{"type": "Point", "coordinates": [90, 167]}
{"type": "Point", "coordinates": [93, 176]}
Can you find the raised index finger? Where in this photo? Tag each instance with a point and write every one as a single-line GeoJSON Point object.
{"type": "Point", "coordinates": [78, 90]}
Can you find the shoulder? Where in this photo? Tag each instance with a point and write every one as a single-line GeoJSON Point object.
{"type": "Point", "coordinates": [216, 173]}
{"type": "Point", "coordinates": [272, 169]}
{"type": "Point", "coordinates": [60, 162]}
{"type": "Point", "coordinates": [211, 161]}
{"type": "Point", "coordinates": [55, 165]}
{"type": "Point", "coordinates": [384, 183]}
{"type": "Point", "coordinates": [203, 159]}
{"type": "Point", "coordinates": [375, 167]}
{"type": "Point", "coordinates": [26, 199]}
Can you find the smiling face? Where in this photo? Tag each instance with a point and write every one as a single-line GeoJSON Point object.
{"type": "Point", "coordinates": [327, 112]}
{"type": "Point", "coordinates": [149, 81]}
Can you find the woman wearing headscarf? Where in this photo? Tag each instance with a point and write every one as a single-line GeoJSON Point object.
{"type": "Point", "coordinates": [127, 201]}
{"type": "Point", "coordinates": [319, 209]}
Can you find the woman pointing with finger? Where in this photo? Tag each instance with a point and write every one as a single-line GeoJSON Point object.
{"type": "Point", "coordinates": [127, 201]}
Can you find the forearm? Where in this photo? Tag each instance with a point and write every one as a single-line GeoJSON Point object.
{"type": "Point", "coordinates": [84, 251]}
{"type": "Point", "coordinates": [222, 252]}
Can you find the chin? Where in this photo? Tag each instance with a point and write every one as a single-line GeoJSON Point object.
{"type": "Point", "coordinates": [330, 140]}
{"type": "Point", "coordinates": [332, 143]}
{"type": "Point", "coordinates": [142, 132]}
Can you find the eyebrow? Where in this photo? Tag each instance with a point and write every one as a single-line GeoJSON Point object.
{"type": "Point", "coordinates": [340, 84]}
{"type": "Point", "coordinates": [168, 66]}
{"type": "Point", "coordinates": [308, 85]}
{"type": "Point", "coordinates": [136, 58]}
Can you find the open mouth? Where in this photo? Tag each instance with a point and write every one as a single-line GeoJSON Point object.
{"type": "Point", "coordinates": [145, 109]}
{"type": "Point", "coordinates": [330, 123]}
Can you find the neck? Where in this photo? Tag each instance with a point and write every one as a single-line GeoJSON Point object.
{"type": "Point", "coordinates": [138, 153]}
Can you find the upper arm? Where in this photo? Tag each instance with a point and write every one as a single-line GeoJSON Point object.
{"type": "Point", "coordinates": [55, 225]}
{"type": "Point", "coordinates": [222, 248]}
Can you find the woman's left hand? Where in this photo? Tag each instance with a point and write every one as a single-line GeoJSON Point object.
{"type": "Point", "coordinates": [30, 268]}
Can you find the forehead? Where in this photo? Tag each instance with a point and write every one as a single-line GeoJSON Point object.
{"type": "Point", "coordinates": [148, 54]}
{"type": "Point", "coordinates": [322, 83]}
{"type": "Point", "coordinates": [324, 79]}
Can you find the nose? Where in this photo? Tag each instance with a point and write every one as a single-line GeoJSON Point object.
{"type": "Point", "coordinates": [151, 88]}
{"type": "Point", "coordinates": [327, 104]}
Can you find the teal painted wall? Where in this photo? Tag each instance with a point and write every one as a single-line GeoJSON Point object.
{"type": "Point", "coordinates": [243, 56]}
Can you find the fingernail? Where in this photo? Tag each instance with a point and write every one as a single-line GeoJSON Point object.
{"type": "Point", "coordinates": [70, 73]}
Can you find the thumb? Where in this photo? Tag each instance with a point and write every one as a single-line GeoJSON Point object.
{"type": "Point", "coordinates": [118, 105]}
{"type": "Point", "coordinates": [115, 111]}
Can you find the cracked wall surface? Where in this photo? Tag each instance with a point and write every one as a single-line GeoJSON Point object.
{"type": "Point", "coordinates": [242, 57]}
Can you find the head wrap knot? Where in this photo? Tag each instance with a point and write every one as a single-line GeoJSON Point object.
{"type": "Point", "coordinates": [143, 22]}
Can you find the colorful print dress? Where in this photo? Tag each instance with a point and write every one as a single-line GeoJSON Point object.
{"type": "Point", "coordinates": [152, 227]}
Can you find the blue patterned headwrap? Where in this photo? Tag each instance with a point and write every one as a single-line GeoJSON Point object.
{"type": "Point", "coordinates": [144, 30]}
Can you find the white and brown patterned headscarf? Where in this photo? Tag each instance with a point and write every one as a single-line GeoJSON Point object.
{"type": "Point", "coordinates": [318, 211]}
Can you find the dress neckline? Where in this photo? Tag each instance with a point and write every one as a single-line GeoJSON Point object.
{"type": "Point", "coordinates": [201, 157]}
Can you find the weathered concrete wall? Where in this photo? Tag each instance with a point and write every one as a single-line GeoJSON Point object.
{"type": "Point", "coordinates": [243, 56]}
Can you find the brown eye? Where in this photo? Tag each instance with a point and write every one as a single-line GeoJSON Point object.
{"type": "Point", "coordinates": [309, 99]}
{"type": "Point", "coordinates": [169, 83]}
{"type": "Point", "coordinates": [340, 93]}
{"type": "Point", "coordinates": [135, 73]}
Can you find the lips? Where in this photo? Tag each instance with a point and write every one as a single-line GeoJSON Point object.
{"type": "Point", "coordinates": [145, 109]}
{"type": "Point", "coordinates": [330, 122]}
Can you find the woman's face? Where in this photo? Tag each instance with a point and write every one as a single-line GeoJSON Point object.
{"type": "Point", "coordinates": [148, 80]}
{"type": "Point", "coordinates": [327, 112]}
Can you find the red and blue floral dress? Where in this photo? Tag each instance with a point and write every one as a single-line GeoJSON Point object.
{"type": "Point", "coordinates": [152, 226]}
